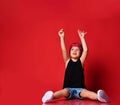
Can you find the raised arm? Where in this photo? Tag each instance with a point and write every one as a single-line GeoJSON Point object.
{"type": "Point", "coordinates": [84, 45]}
{"type": "Point", "coordinates": [63, 46]}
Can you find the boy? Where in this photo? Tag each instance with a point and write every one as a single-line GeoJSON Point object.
{"type": "Point", "coordinates": [74, 86]}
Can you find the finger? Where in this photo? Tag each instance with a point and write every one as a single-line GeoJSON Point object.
{"type": "Point", "coordinates": [62, 29]}
{"type": "Point", "coordinates": [85, 32]}
{"type": "Point", "coordinates": [79, 31]}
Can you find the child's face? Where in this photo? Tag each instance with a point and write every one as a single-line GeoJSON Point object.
{"type": "Point", "coordinates": [75, 52]}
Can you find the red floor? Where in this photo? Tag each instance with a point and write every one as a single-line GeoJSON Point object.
{"type": "Point", "coordinates": [81, 102]}
{"type": "Point", "coordinates": [57, 102]}
{"type": "Point", "coordinates": [74, 102]}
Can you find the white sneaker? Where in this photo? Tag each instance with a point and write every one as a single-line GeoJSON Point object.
{"type": "Point", "coordinates": [102, 96]}
{"type": "Point", "coordinates": [48, 96]}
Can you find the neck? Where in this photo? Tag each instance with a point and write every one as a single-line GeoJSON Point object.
{"type": "Point", "coordinates": [74, 60]}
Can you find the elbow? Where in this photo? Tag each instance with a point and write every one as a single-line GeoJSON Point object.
{"type": "Point", "coordinates": [85, 50]}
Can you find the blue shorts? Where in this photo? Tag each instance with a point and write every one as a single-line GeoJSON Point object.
{"type": "Point", "coordinates": [74, 93]}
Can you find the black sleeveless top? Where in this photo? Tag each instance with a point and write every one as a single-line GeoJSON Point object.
{"type": "Point", "coordinates": [74, 75]}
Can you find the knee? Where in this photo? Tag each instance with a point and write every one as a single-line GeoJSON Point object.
{"type": "Point", "coordinates": [65, 92]}
{"type": "Point", "coordinates": [84, 93]}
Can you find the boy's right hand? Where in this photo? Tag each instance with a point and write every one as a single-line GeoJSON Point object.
{"type": "Point", "coordinates": [61, 33]}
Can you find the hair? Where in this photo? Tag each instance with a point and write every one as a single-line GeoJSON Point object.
{"type": "Point", "coordinates": [77, 45]}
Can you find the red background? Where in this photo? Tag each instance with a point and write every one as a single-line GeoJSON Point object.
{"type": "Point", "coordinates": [30, 55]}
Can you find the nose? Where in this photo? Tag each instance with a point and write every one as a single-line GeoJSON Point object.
{"type": "Point", "coordinates": [75, 50]}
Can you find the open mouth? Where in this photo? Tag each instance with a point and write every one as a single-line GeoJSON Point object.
{"type": "Point", "coordinates": [74, 53]}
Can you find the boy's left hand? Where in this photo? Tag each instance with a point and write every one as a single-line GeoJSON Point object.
{"type": "Point", "coordinates": [81, 33]}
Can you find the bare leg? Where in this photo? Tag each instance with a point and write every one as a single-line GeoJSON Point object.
{"type": "Point", "coordinates": [49, 95]}
{"type": "Point", "coordinates": [61, 93]}
{"type": "Point", "coordinates": [88, 94]}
